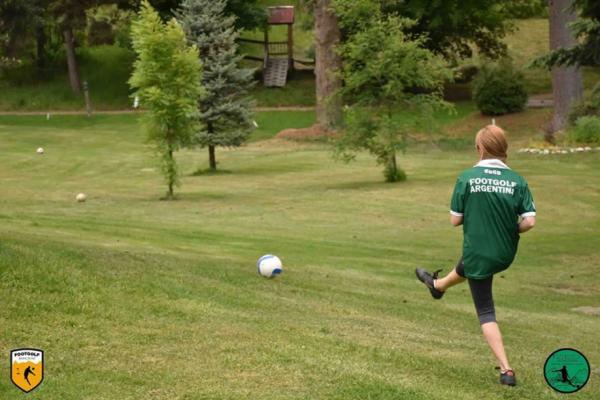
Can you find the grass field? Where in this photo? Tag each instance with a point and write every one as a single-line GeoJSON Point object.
{"type": "Point", "coordinates": [136, 298]}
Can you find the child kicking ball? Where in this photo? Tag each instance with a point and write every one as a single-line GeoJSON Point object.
{"type": "Point", "coordinates": [488, 200]}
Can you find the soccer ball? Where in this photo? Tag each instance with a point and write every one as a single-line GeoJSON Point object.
{"type": "Point", "coordinates": [269, 266]}
{"type": "Point", "coordinates": [40, 150]}
{"type": "Point", "coordinates": [81, 197]}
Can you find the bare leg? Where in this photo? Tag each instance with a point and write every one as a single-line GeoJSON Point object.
{"type": "Point", "coordinates": [448, 281]}
{"type": "Point", "coordinates": [492, 334]}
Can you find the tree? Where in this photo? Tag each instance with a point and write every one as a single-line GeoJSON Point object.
{"type": "Point", "coordinates": [225, 111]}
{"type": "Point", "coordinates": [16, 18]}
{"type": "Point", "coordinates": [585, 50]}
{"type": "Point", "coordinates": [328, 66]}
{"type": "Point", "coordinates": [19, 22]}
{"type": "Point", "coordinates": [386, 71]}
{"type": "Point", "coordinates": [249, 13]}
{"type": "Point", "coordinates": [452, 27]}
{"type": "Point", "coordinates": [166, 78]}
{"type": "Point", "coordinates": [70, 15]}
{"type": "Point", "coordinates": [567, 86]}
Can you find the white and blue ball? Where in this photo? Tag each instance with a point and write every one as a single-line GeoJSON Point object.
{"type": "Point", "coordinates": [269, 266]}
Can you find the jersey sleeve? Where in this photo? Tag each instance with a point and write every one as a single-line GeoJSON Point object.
{"type": "Point", "coordinates": [526, 207]}
{"type": "Point", "coordinates": [457, 203]}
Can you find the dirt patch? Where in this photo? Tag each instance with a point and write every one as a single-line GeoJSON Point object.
{"type": "Point", "coordinates": [587, 310]}
{"type": "Point", "coordinates": [312, 133]}
{"type": "Point", "coordinates": [568, 291]}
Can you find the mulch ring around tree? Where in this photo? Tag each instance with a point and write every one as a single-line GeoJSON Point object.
{"type": "Point", "coordinates": [313, 133]}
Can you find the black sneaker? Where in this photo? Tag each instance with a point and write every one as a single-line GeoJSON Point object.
{"type": "Point", "coordinates": [508, 378]}
{"type": "Point", "coordinates": [427, 279]}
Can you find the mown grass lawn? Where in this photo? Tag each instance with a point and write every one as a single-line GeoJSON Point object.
{"type": "Point", "coordinates": [136, 298]}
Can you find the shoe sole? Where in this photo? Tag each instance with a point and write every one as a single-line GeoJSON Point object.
{"type": "Point", "coordinates": [435, 295]}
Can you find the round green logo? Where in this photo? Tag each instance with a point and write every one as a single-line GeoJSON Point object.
{"type": "Point", "coordinates": [566, 370]}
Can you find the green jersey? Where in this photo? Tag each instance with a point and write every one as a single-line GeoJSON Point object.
{"type": "Point", "coordinates": [490, 197]}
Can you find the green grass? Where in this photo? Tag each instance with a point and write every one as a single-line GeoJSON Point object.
{"type": "Point", "coordinates": [136, 298]}
{"type": "Point", "coordinates": [272, 122]}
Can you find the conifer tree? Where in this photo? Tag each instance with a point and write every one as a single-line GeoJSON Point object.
{"type": "Point", "coordinates": [225, 111]}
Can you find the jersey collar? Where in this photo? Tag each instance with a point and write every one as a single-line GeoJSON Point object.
{"type": "Point", "coordinates": [492, 163]}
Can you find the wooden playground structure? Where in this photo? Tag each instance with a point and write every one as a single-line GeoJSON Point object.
{"type": "Point", "coordinates": [278, 56]}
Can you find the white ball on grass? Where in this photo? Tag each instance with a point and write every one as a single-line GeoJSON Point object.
{"type": "Point", "coordinates": [40, 150]}
{"type": "Point", "coordinates": [81, 197]}
{"type": "Point", "coordinates": [269, 266]}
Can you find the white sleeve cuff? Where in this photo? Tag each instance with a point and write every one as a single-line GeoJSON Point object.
{"type": "Point", "coordinates": [457, 214]}
{"type": "Point", "coordinates": [528, 214]}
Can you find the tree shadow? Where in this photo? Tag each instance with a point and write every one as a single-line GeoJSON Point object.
{"type": "Point", "coordinates": [208, 171]}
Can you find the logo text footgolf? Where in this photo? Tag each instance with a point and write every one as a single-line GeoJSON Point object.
{"type": "Point", "coordinates": [26, 368]}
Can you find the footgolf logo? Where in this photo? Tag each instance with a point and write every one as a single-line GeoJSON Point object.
{"type": "Point", "coordinates": [27, 368]}
{"type": "Point", "coordinates": [567, 370]}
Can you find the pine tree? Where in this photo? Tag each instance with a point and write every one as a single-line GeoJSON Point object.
{"type": "Point", "coordinates": [166, 78]}
{"type": "Point", "coordinates": [225, 112]}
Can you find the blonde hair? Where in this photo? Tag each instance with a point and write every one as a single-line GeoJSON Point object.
{"type": "Point", "coordinates": [491, 141]}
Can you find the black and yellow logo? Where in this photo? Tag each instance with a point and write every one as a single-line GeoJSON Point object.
{"type": "Point", "coordinates": [27, 368]}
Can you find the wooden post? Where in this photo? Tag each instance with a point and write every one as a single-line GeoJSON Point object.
{"type": "Point", "coordinates": [266, 55]}
{"type": "Point", "coordinates": [86, 95]}
{"type": "Point", "coordinates": [291, 46]}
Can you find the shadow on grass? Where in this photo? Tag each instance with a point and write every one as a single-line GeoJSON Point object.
{"type": "Point", "coordinates": [380, 184]}
{"type": "Point", "coordinates": [203, 196]}
{"type": "Point", "coordinates": [208, 171]}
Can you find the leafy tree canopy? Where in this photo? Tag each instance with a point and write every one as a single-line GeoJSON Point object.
{"type": "Point", "coordinates": [451, 26]}
{"type": "Point", "coordinates": [385, 70]}
{"type": "Point", "coordinates": [248, 12]}
{"type": "Point", "coordinates": [166, 78]}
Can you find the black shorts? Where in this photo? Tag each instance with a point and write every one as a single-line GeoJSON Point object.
{"type": "Point", "coordinates": [481, 291]}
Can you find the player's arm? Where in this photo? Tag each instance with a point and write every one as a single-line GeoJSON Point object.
{"type": "Point", "coordinates": [527, 211]}
{"type": "Point", "coordinates": [457, 203]}
{"type": "Point", "coordinates": [456, 220]}
{"type": "Point", "coordinates": [526, 224]}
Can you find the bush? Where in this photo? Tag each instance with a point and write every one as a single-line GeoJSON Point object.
{"type": "Point", "coordinates": [523, 9]}
{"type": "Point", "coordinates": [107, 24]}
{"type": "Point", "coordinates": [586, 131]}
{"type": "Point", "coordinates": [587, 107]}
{"type": "Point", "coordinates": [499, 89]}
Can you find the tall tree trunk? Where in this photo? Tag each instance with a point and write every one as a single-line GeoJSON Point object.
{"type": "Point", "coordinates": [71, 61]}
{"type": "Point", "coordinates": [40, 40]}
{"type": "Point", "coordinates": [392, 168]}
{"type": "Point", "coordinates": [567, 84]}
{"type": "Point", "coordinates": [328, 66]}
{"type": "Point", "coordinates": [171, 177]}
{"type": "Point", "coordinates": [212, 161]}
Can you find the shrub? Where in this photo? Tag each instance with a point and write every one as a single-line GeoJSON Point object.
{"type": "Point", "coordinates": [587, 107]}
{"type": "Point", "coordinates": [107, 24]}
{"type": "Point", "coordinates": [586, 131]}
{"type": "Point", "coordinates": [523, 9]}
{"type": "Point", "coordinates": [499, 89]}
